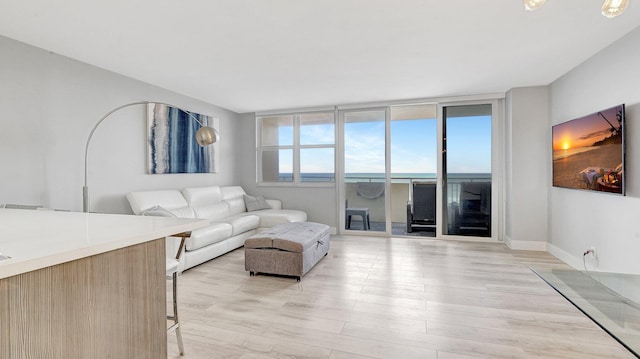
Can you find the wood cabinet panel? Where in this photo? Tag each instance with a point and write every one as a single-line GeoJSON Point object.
{"type": "Point", "coordinates": [111, 305]}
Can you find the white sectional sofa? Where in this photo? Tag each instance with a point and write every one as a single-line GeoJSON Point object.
{"type": "Point", "coordinates": [226, 207]}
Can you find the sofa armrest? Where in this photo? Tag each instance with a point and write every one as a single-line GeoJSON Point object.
{"type": "Point", "coordinates": [274, 203]}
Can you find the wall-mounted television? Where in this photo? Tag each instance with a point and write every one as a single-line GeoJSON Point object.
{"type": "Point", "coordinates": [588, 152]}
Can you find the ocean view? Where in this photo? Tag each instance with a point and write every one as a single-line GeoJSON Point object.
{"type": "Point", "coordinates": [560, 154]}
{"type": "Point", "coordinates": [379, 177]}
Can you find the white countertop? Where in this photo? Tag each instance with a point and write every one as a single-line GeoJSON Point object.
{"type": "Point", "coordinates": [39, 239]}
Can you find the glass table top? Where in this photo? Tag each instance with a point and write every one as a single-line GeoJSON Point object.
{"type": "Point", "coordinates": [611, 300]}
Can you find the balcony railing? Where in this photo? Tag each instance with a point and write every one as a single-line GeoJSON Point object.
{"type": "Point", "coordinates": [401, 187]}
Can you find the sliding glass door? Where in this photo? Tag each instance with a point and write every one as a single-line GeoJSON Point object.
{"type": "Point", "coordinates": [390, 170]}
{"type": "Point", "coordinates": [414, 170]}
{"type": "Point", "coordinates": [364, 144]}
{"type": "Point", "coordinates": [467, 169]}
{"type": "Point", "coordinates": [419, 170]}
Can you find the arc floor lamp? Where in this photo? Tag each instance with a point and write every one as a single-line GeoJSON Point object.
{"type": "Point", "coordinates": [205, 136]}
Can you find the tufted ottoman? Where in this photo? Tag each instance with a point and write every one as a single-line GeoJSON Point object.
{"type": "Point", "coordinates": [287, 249]}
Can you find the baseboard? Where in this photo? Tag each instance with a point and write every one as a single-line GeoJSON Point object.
{"type": "Point", "coordinates": [574, 261]}
{"type": "Point", "coordinates": [525, 245]}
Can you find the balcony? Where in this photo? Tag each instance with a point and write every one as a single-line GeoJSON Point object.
{"type": "Point", "coordinates": [468, 204]}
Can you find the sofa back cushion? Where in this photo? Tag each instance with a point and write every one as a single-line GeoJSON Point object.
{"type": "Point", "coordinates": [157, 201]}
{"type": "Point", "coordinates": [206, 202]}
{"type": "Point", "coordinates": [214, 211]}
{"type": "Point", "coordinates": [233, 195]}
{"type": "Point", "coordinates": [202, 196]}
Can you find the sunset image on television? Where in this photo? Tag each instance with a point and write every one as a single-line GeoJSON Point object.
{"type": "Point", "coordinates": [588, 152]}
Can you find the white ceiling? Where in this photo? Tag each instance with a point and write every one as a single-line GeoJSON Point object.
{"type": "Point", "coordinates": [254, 55]}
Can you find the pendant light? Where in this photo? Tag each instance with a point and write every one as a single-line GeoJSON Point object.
{"type": "Point", "coordinates": [533, 4]}
{"type": "Point", "coordinates": [610, 8]}
{"type": "Point", "coordinates": [613, 8]}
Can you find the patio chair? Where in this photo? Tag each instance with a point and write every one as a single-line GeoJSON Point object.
{"type": "Point", "coordinates": [421, 209]}
{"type": "Point", "coordinates": [475, 207]}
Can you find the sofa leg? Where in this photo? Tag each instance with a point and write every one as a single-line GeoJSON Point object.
{"type": "Point", "coordinates": [297, 279]}
{"type": "Point", "coordinates": [251, 274]}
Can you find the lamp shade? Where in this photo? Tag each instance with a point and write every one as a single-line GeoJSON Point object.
{"type": "Point", "coordinates": [206, 136]}
{"type": "Point", "coordinates": [613, 8]}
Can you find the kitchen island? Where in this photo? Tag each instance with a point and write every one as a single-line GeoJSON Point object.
{"type": "Point", "coordinates": [80, 285]}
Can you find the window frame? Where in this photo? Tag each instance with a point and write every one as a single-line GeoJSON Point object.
{"type": "Point", "coordinates": [296, 148]}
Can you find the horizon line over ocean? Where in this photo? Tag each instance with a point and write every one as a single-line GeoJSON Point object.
{"type": "Point", "coordinates": [560, 154]}
{"type": "Point", "coordinates": [371, 176]}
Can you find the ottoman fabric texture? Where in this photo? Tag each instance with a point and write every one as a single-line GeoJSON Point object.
{"type": "Point", "coordinates": [287, 249]}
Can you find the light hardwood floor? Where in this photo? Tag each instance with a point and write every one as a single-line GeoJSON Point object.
{"type": "Point", "coordinates": [374, 297]}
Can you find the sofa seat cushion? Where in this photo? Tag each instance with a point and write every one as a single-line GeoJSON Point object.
{"type": "Point", "coordinates": [241, 223]}
{"type": "Point", "coordinates": [272, 217]}
{"type": "Point", "coordinates": [214, 233]}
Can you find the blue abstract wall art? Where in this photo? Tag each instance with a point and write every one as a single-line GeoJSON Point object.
{"type": "Point", "coordinates": [172, 146]}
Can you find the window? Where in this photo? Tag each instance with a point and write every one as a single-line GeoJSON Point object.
{"type": "Point", "coordinates": [297, 148]}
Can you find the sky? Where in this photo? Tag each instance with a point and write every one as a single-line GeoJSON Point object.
{"type": "Point", "coordinates": [584, 131]}
{"type": "Point", "coordinates": [413, 146]}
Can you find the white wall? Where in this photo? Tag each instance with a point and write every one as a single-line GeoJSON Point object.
{"type": "Point", "coordinates": [527, 152]}
{"type": "Point", "coordinates": [581, 219]}
{"type": "Point", "coordinates": [319, 203]}
{"type": "Point", "coordinates": [50, 103]}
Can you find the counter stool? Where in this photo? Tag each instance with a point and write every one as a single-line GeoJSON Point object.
{"type": "Point", "coordinates": [172, 273]}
